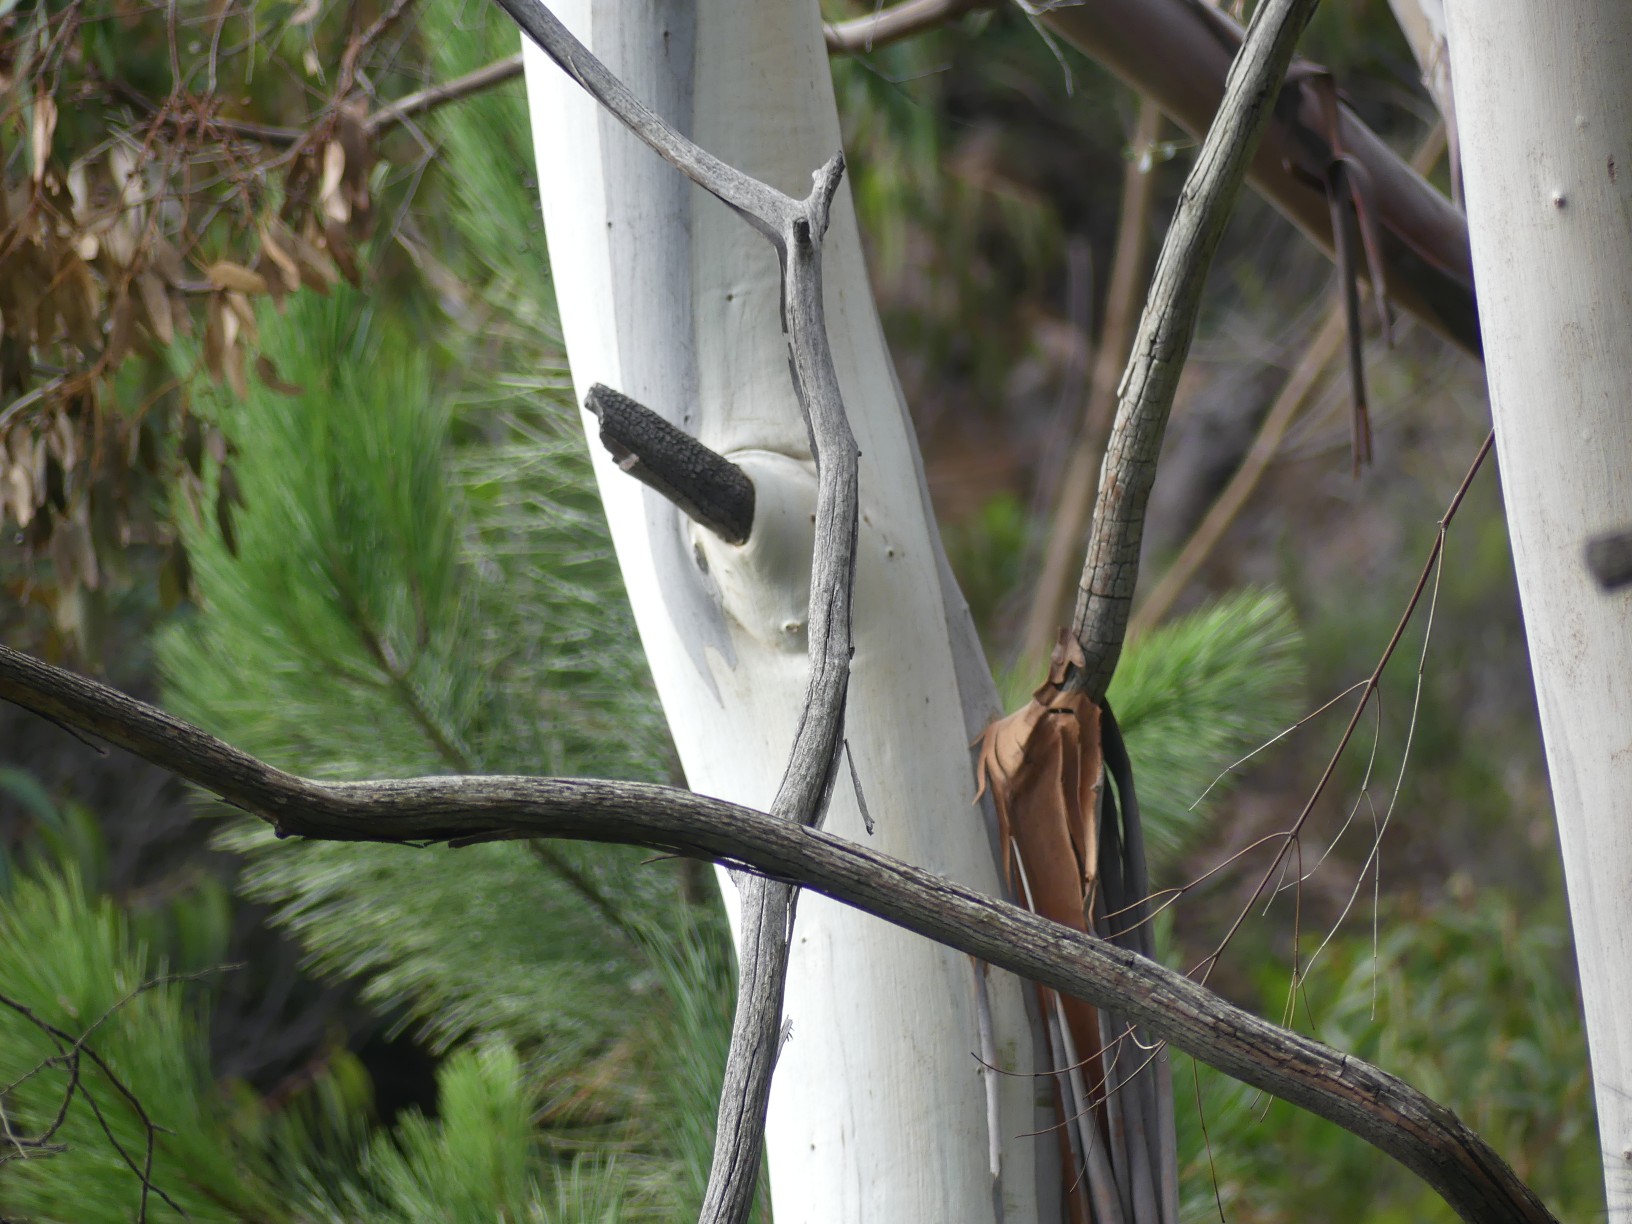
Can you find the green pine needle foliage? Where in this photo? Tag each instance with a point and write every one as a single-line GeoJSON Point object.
{"type": "Point", "coordinates": [1198, 693]}
{"type": "Point", "coordinates": [479, 626]}
{"type": "Point", "coordinates": [77, 963]}
{"type": "Point", "coordinates": [354, 634]}
{"type": "Point", "coordinates": [487, 144]}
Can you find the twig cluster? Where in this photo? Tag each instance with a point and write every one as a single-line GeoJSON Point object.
{"type": "Point", "coordinates": [73, 1052]}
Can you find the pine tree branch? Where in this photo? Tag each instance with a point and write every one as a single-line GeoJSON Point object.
{"type": "Point", "coordinates": [1419, 1133]}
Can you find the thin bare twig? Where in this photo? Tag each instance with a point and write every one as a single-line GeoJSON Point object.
{"type": "Point", "coordinates": [1422, 1135]}
{"type": "Point", "coordinates": [1367, 692]}
{"type": "Point", "coordinates": [71, 1050]}
{"type": "Point", "coordinates": [390, 115]}
{"type": "Point", "coordinates": [795, 229]}
{"type": "Point", "coordinates": [433, 96]}
{"type": "Point", "coordinates": [892, 24]}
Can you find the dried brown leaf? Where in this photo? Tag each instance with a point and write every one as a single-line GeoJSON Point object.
{"type": "Point", "coordinates": [78, 302]}
{"type": "Point", "coordinates": [156, 306]}
{"type": "Point", "coordinates": [42, 127]}
{"type": "Point", "coordinates": [317, 270]}
{"type": "Point", "coordinates": [286, 272]}
{"type": "Point", "coordinates": [244, 313]}
{"type": "Point", "coordinates": [1043, 766]}
{"type": "Point", "coordinates": [164, 259]}
{"type": "Point", "coordinates": [215, 338]}
{"type": "Point", "coordinates": [224, 274]}
{"type": "Point", "coordinates": [334, 237]}
{"type": "Point", "coordinates": [18, 491]}
{"type": "Point", "coordinates": [335, 205]}
{"type": "Point", "coordinates": [236, 378]}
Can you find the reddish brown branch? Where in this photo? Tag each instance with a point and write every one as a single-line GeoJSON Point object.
{"type": "Point", "coordinates": [1178, 53]}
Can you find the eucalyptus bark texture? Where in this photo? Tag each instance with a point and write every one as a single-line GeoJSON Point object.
{"type": "Point", "coordinates": [1544, 100]}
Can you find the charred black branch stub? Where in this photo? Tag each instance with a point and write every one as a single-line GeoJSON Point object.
{"type": "Point", "coordinates": [708, 487]}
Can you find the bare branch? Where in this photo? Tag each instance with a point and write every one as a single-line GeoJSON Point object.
{"type": "Point", "coordinates": [1420, 1134]}
{"type": "Point", "coordinates": [407, 107]}
{"type": "Point", "coordinates": [1166, 328]}
{"type": "Point", "coordinates": [899, 21]}
{"type": "Point", "coordinates": [433, 96]}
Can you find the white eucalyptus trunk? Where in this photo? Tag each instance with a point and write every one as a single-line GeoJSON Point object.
{"type": "Point", "coordinates": [1544, 100]}
{"type": "Point", "coordinates": [879, 1111]}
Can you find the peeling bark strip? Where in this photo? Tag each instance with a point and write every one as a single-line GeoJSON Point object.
{"type": "Point", "coordinates": [1105, 594]}
{"type": "Point", "coordinates": [1075, 855]}
{"type": "Point", "coordinates": [1386, 1112]}
{"type": "Point", "coordinates": [1043, 767]}
{"type": "Point", "coordinates": [795, 229]}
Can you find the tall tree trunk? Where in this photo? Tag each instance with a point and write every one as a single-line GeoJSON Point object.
{"type": "Point", "coordinates": [1544, 99]}
{"type": "Point", "coordinates": [880, 1109]}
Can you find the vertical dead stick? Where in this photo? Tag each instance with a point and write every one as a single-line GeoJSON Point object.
{"type": "Point", "coordinates": [1077, 489]}
{"type": "Point", "coordinates": [795, 229]}
{"type": "Point", "coordinates": [1105, 594]}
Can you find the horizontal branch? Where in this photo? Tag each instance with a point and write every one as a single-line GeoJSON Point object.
{"type": "Point", "coordinates": [899, 21]}
{"type": "Point", "coordinates": [1419, 1133]}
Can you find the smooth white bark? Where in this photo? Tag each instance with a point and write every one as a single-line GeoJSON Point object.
{"type": "Point", "coordinates": [879, 1109]}
{"type": "Point", "coordinates": [1423, 24]}
{"type": "Point", "coordinates": [1544, 99]}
